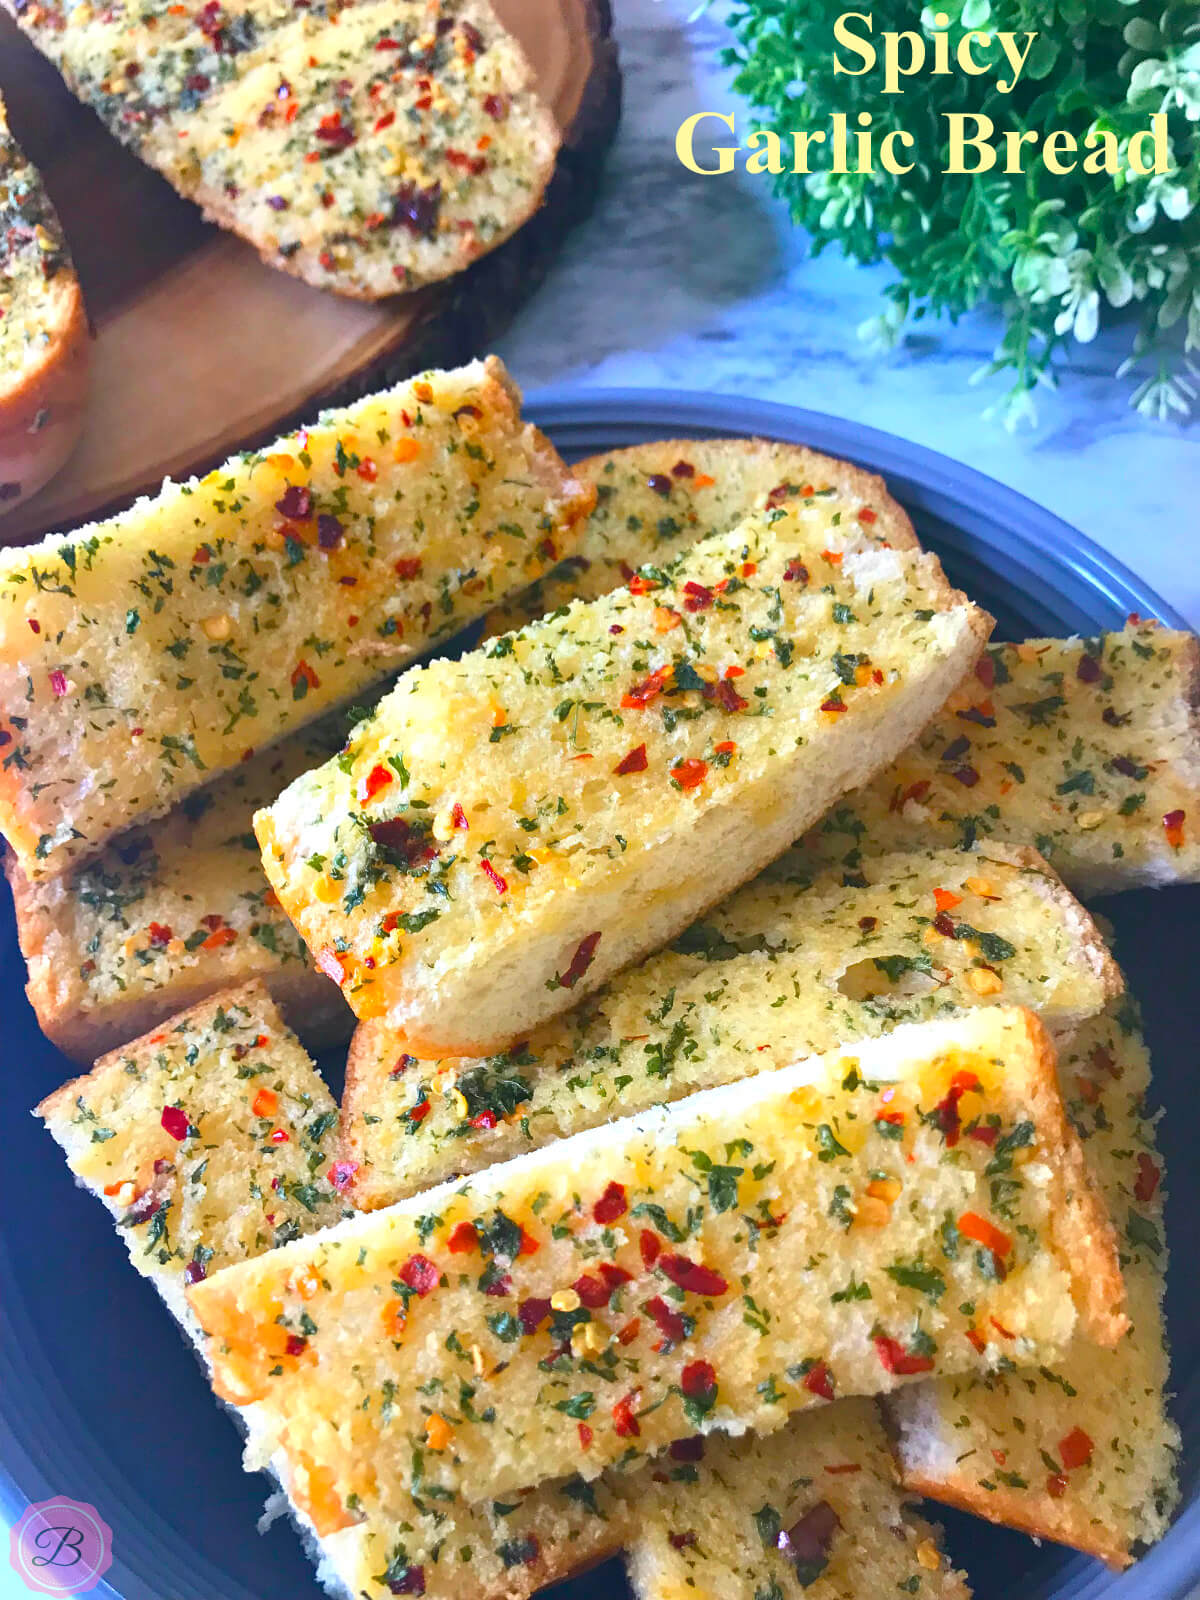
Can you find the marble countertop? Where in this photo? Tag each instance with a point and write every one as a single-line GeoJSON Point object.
{"type": "Point", "coordinates": [692, 283]}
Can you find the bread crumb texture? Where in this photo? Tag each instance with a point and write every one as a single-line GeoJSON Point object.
{"type": "Point", "coordinates": [711, 1266]}
{"type": "Point", "coordinates": [172, 912]}
{"type": "Point", "coordinates": [786, 966]}
{"type": "Point", "coordinates": [209, 1140]}
{"type": "Point", "coordinates": [141, 657]}
{"type": "Point", "coordinates": [1081, 1451]}
{"type": "Point", "coordinates": [365, 147]}
{"type": "Point", "coordinates": [653, 500]}
{"type": "Point", "coordinates": [812, 1512]}
{"type": "Point", "coordinates": [509, 828]}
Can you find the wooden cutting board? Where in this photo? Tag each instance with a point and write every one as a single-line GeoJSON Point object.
{"type": "Point", "coordinates": [202, 349]}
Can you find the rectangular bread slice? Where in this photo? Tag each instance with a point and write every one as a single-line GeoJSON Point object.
{"type": "Point", "coordinates": [1083, 1451]}
{"type": "Point", "coordinates": [229, 1079]}
{"type": "Point", "coordinates": [695, 1268]}
{"type": "Point", "coordinates": [812, 1512]}
{"type": "Point", "coordinates": [369, 149]}
{"type": "Point", "coordinates": [171, 913]}
{"type": "Point", "coordinates": [211, 1139]}
{"type": "Point", "coordinates": [785, 966]}
{"type": "Point", "coordinates": [1088, 749]}
{"type": "Point", "coordinates": [653, 500]}
{"type": "Point", "coordinates": [509, 829]}
{"type": "Point", "coordinates": [143, 656]}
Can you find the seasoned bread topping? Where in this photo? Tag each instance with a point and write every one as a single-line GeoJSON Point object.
{"type": "Point", "coordinates": [839, 1227]}
{"type": "Point", "coordinates": [1082, 1451]}
{"type": "Point", "coordinates": [141, 657]}
{"type": "Point", "coordinates": [367, 146]}
{"type": "Point", "coordinates": [784, 966]}
{"type": "Point", "coordinates": [555, 789]}
{"type": "Point", "coordinates": [33, 255]}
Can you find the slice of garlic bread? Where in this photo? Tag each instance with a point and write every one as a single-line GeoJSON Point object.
{"type": "Point", "coordinates": [142, 657]}
{"type": "Point", "coordinates": [642, 755]}
{"type": "Point", "coordinates": [715, 1264]}
{"type": "Point", "coordinates": [785, 965]}
{"type": "Point", "coordinates": [1082, 1451]}
{"type": "Point", "coordinates": [45, 343]}
{"type": "Point", "coordinates": [367, 150]}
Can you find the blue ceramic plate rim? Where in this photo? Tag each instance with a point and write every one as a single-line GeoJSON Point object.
{"type": "Point", "coordinates": [1042, 548]}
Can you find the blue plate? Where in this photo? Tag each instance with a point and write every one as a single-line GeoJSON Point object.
{"type": "Point", "coordinates": [101, 1401]}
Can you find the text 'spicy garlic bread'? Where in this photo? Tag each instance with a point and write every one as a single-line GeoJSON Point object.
{"type": "Point", "coordinates": [782, 967]}
{"type": "Point", "coordinates": [1083, 1451]}
{"type": "Point", "coordinates": [211, 1139]}
{"type": "Point", "coordinates": [143, 656]}
{"type": "Point", "coordinates": [812, 1512]}
{"type": "Point", "coordinates": [653, 500]}
{"type": "Point", "coordinates": [367, 149]}
{"type": "Point", "coordinates": [171, 913]}
{"type": "Point", "coordinates": [45, 349]}
{"type": "Point", "coordinates": [509, 829]}
{"type": "Point", "coordinates": [695, 1268]}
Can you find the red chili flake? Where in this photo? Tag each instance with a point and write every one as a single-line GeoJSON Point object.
{"type": "Point", "coordinates": [341, 1175]}
{"type": "Point", "coordinates": [330, 532]}
{"type": "Point", "coordinates": [592, 1293]}
{"type": "Point", "coordinates": [611, 1204]}
{"type": "Point", "coordinates": [696, 597]}
{"type": "Point", "coordinates": [698, 1380]}
{"type": "Point", "coordinates": [418, 1112]}
{"type": "Point", "coordinates": [175, 1122]}
{"type": "Point", "coordinates": [625, 1423]}
{"type": "Point", "coordinates": [687, 1449]}
{"type": "Point", "coordinates": [462, 1238]}
{"type": "Point", "coordinates": [819, 1381]}
{"type": "Point", "coordinates": [533, 1312]}
{"type": "Point", "coordinates": [667, 1320]}
{"type": "Point", "coordinates": [498, 883]}
{"type": "Point", "coordinates": [893, 1357]}
{"type": "Point", "coordinates": [1088, 670]}
{"type": "Point", "coordinates": [683, 469]}
{"type": "Point", "coordinates": [692, 1276]}
{"type": "Point", "coordinates": [160, 934]}
{"type": "Point", "coordinates": [58, 683]}
{"type": "Point", "coordinates": [485, 1120]}
{"type": "Point", "coordinates": [749, 568]}
{"type": "Point", "coordinates": [976, 1340]}
{"type": "Point", "coordinates": [417, 209]}
{"type": "Point", "coordinates": [614, 1277]}
{"type": "Point", "coordinates": [984, 1133]}
{"type": "Point", "coordinates": [895, 1119]}
{"type": "Point", "coordinates": [304, 674]}
{"type": "Point", "coordinates": [1146, 1185]}
{"type": "Point", "coordinates": [966, 775]}
{"type": "Point", "coordinates": [1173, 825]}
{"type": "Point", "coordinates": [399, 839]}
{"type": "Point", "coordinates": [795, 572]}
{"type": "Point", "coordinates": [660, 483]}
{"type": "Point", "coordinates": [582, 959]}
{"type": "Point", "coordinates": [690, 773]}
{"type": "Point", "coordinates": [195, 1272]}
{"type": "Point", "coordinates": [296, 1346]}
{"type": "Point", "coordinates": [807, 1543]}
{"type": "Point", "coordinates": [500, 1286]}
{"type": "Point", "coordinates": [378, 778]}
{"type": "Point", "coordinates": [1075, 1449]}
{"type": "Point", "coordinates": [295, 503]}
{"type": "Point", "coordinates": [681, 1541]}
{"type": "Point", "coordinates": [945, 1115]}
{"type": "Point", "coordinates": [585, 1436]}
{"type": "Point", "coordinates": [834, 557]}
{"type": "Point", "coordinates": [943, 925]}
{"type": "Point", "coordinates": [834, 703]}
{"type": "Point", "coordinates": [35, 627]}
{"type": "Point", "coordinates": [630, 1331]}
{"type": "Point", "coordinates": [419, 1273]}
{"type": "Point", "coordinates": [650, 1246]}
{"type": "Point", "coordinates": [1057, 1485]}
{"type": "Point", "coordinates": [640, 585]}
{"type": "Point", "coordinates": [645, 693]}
{"type": "Point", "coordinates": [635, 761]}
{"type": "Point", "coordinates": [843, 1468]}
{"type": "Point", "coordinates": [278, 1136]}
{"type": "Point", "coordinates": [726, 696]}
{"type": "Point", "coordinates": [331, 130]}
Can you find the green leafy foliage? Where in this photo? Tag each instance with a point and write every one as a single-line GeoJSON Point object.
{"type": "Point", "coordinates": [1053, 253]}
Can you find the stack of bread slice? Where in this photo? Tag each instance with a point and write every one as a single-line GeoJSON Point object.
{"type": "Point", "coordinates": [731, 1050]}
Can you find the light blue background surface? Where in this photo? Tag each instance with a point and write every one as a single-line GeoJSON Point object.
{"type": "Point", "coordinates": [702, 283]}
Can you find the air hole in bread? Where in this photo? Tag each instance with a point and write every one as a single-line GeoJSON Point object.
{"type": "Point", "coordinates": [887, 978]}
